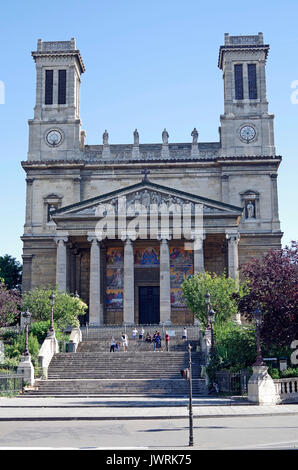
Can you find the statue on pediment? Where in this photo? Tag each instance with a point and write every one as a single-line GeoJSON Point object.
{"type": "Point", "coordinates": [146, 198]}
{"type": "Point", "coordinates": [105, 138]}
{"type": "Point", "coordinates": [195, 136]}
{"type": "Point", "coordinates": [165, 137]}
{"type": "Point", "coordinates": [136, 137]}
{"type": "Point", "coordinates": [155, 198]}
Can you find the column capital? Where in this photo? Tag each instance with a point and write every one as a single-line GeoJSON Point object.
{"type": "Point", "coordinates": [30, 180]}
{"type": "Point", "coordinates": [128, 239]}
{"type": "Point", "coordinates": [93, 238]}
{"type": "Point", "coordinates": [164, 238]}
{"type": "Point", "coordinates": [233, 237]}
{"type": "Point", "coordinates": [61, 239]}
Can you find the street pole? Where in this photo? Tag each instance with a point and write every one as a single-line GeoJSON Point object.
{"type": "Point", "coordinates": [190, 399]}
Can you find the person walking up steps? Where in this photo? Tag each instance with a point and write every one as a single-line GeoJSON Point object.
{"type": "Point", "coordinates": [184, 333]}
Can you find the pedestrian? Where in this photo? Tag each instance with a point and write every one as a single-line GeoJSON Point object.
{"type": "Point", "coordinates": [167, 339]}
{"type": "Point", "coordinates": [112, 345]}
{"type": "Point", "coordinates": [134, 333]}
{"type": "Point", "coordinates": [141, 334]}
{"type": "Point", "coordinates": [184, 333]}
{"type": "Point", "coordinates": [124, 341]}
{"type": "Point", "coordinates": [117, 347]}
{"type": "Point", "coordinates": [157, 342]}
{"type": "Point", "coordinates": [148, 337]}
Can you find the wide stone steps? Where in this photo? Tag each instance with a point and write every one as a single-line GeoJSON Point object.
{"type": "Point", "coordinates": [112, 387]}
{"type": "Point", "coordinates": [94, 371]}
{"type": "Point", "coordinates": [121, 365]}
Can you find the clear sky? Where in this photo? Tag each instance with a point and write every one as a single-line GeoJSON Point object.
{"type": "Point", "coordinates": [150, 64]}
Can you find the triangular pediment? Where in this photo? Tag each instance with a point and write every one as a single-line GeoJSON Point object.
{"type": "Point", "coordinates": [145, 195]}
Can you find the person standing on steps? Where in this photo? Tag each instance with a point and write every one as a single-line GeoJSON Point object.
{"type": "Point", "coordinates": [134, 333]}
{"type": "Point", "coordinates": [141, 334]}
{"type": "Point", "coordinates": [124, 341]}
{"type": "Point", "coordinates": [167, 340]}
{"type": "Point", "coordinates": [112, 345]}
{"type": "Point", "coordinates": [157, 342]}
{"type": "Point", "coordinates": [184, 333]}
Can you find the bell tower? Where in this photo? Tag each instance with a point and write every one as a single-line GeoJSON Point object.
{"type": "Point", "coordinates": [54, 132]}
{"type": "Point", "coordinates": [246, 126]}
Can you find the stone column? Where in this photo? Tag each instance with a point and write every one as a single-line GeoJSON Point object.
{"type": "Point", "coordinates": [95, 307]}
{"type": "Point", "coordinates": [61, 271]}
{"type": "Point", "coordinates": [233, 261]}
{"type": "Point", "coordinates": [198, 255]}
{"type": "Point", "coordinates": [128, 292]}
{"type": "Point", "coordinates": [165, 292]}
{"type": "Point", "coordinates": [233, 268]}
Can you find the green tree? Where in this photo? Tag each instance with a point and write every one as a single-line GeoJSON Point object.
{"type": "Point", "coordinates": [66, 309]}
{"type": "Point", "coordinates": [10, 271]}
{"type": "Point", "coordinates": [221, 289]}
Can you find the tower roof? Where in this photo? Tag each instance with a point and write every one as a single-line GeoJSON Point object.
{"type": "Point", "coordinates": [62, 48]}
{"type": "Point", "coordinates": [236, 43]}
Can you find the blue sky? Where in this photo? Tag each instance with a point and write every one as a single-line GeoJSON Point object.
{"type": "Point", "coordinates": [149, 65]}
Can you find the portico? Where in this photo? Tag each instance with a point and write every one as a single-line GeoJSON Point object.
{"type": "Point", "coordinates": [163, 236]}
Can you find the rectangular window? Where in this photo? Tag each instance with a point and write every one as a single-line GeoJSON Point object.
{"type": "Point", "coordinates": [252, 81]}
{"type": "Point", "coordinates": [62, 87]}
{"type": "Point", "coordinates": [238, 73]}
{"type": "Point", "coordinates": [49, 87]}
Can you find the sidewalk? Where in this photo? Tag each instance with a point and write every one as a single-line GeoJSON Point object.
{"type": "Point", "coordinates": [127, 408]}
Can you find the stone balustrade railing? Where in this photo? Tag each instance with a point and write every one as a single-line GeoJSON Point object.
{"type": "Point", "coordinates": [75, 337]}
{"type": "Point", "coordinates": [287, 390]}
{"type": "Point", "coordinates": [49, 347]}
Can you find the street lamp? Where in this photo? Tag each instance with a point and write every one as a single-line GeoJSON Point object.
{"type": "Point", "coordinates": [211, 321]}
{"type": "Point", "coordinates": [190, 398]}
{"type": "Point", "coordinates": [208, 306]}
{"type": "Point", "coordinates": [258, 315]}
{"type": "Point", "coordinates": [52, 302]}
{"type": "Point", "coordinates": [27, 317]}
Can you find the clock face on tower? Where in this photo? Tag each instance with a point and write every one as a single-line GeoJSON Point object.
{"type": "Point", "coordinates": [54, 138]}
{"type": "Point", "coordinates": [247, 133]}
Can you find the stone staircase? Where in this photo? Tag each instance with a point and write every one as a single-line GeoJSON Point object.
{"type": "Point", "coordinates": [94, 371]}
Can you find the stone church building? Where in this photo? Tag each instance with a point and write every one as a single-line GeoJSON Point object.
{"type": "Point", "coordinates": [123, 225]}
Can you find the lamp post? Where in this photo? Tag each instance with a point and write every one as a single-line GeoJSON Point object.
{"type": "Point", "coordinates": [208, 306]}
{"type": "Point", "coordinates": [26, 316]}
{"type": "Point", "coordinates": [258, 315]}
{"type": "Point", "coordinates": [190, 398]}
{"type": "Point", "coordinates": [211, 321]}
{"type": "Point", "coordinates": [52, 302]}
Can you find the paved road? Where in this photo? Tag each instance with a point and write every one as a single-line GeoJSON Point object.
{"type": "Point", "coordinates": [258, 433]}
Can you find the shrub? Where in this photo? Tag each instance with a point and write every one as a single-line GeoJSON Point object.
{"type": "Point", "coordinates": [66, 310]}
{"type": "Point", "coordinates": [222, 290]}
{"type": "Point", "coordinates": [291, 372]}
{"type": "Point", "coordinates": [234, 348]}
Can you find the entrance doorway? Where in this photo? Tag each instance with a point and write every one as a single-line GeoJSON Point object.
{"type": "Point", "coordinates": [149, 312]}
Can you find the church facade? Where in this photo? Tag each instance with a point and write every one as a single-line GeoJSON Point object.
{"type": "Point", "coordinates": [123, 225]}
